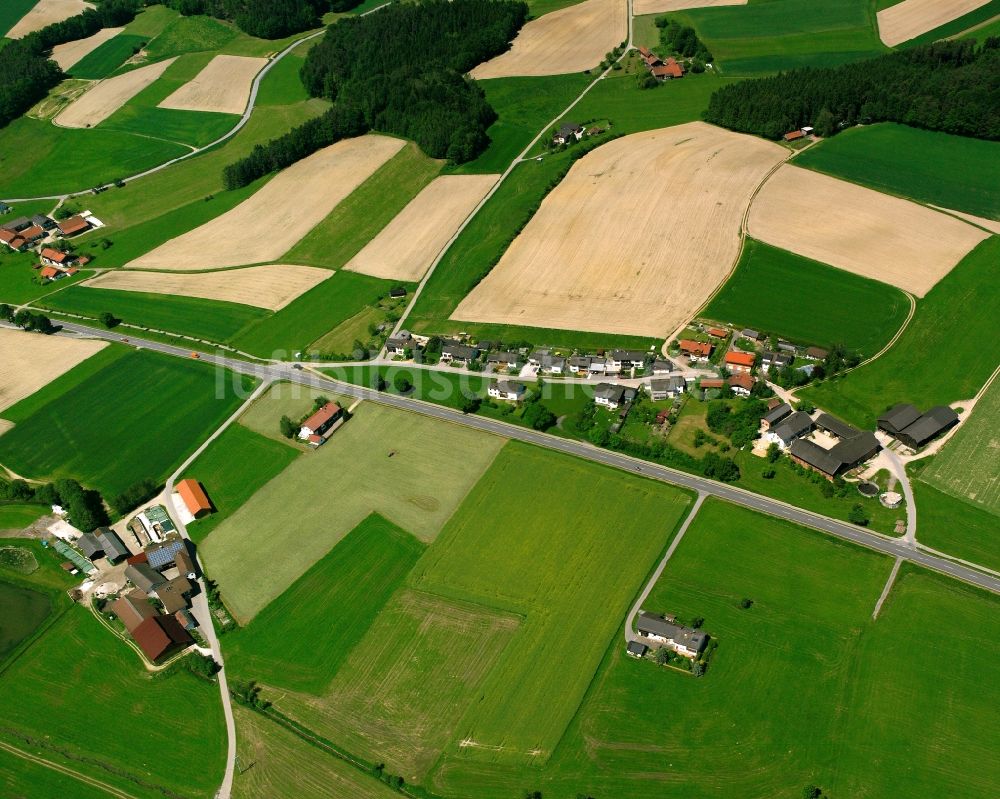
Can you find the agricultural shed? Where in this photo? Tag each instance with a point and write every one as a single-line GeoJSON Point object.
{"type": "Point", "coordinates": [114, 548]}
{"type": "Point", "coordinates": [144, 577]}
{"type": "Point", "coordinates": [159, 635]}
{"type": "Point", "coordinates": [133, 608]}
{"type": "Point", "coordinates": [73, 225]}
{"type": "Point", "coordinates": [193, 496]}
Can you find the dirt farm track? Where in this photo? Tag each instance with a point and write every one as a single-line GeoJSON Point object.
{"type": "Point", "coordinates": [634, 239]}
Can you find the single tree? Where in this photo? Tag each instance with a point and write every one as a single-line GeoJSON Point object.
{"type": "Point", "coordinates": [858, 515]}
{"type": "Point", "coordinates": [288, 428]}
{"type": "Point", "coordinates": [402, 383]}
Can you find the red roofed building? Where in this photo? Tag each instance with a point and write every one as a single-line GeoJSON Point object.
{"type": "Point", "coordinates": [73, 226]}
{"type": "Point", "coordinates": [712, 382]}
{"type": "Point", "coordinates": [741, 384]}
{"type": "Point", "coordinates": [740, 361]}
{"type": "Point", "coordinates": [50, 273]}
{"type": "Point", "coordinates": [54, 257]}
{"type": "Point", "coordinates": [32, 233]}
{"type": "Point", "coordinates": [159, 635]}
{"type": "Point", "coordinates": [794, 135]}
{"type": "Point", "coordinates": [696, 350]}
{"type": "Point", "coordinates": [718, 332]}
{"type": "Point", "coordinates": [315, 428]}
{"type": "Point", "coordinates": [193, 496]}
{"type": "Point", "coordinates": [669, 70]}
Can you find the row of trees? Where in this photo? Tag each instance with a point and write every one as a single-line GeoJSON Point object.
{"type": "Point", "coordinates": [400, 71]}
{"type": "Point", "coordinates": [28, 320]}
{"type": "Point", "coordinates": [26, 71]}
{"type": "Point", "coordinates": [84, 507]}
{"type": "Point", "coordinates": [682, 39]}
{"type": "Point", "coordinates": [946, 86]}
{"type": "Point", "coordinates": [266, 19]}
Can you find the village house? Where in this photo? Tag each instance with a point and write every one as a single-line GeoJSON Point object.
{"type": "Point", "coordinates": [696, 350]}
{"type": "Point", "coordinates": [507, 390]}
{"type": "Point", "coordinates": [913, 429]}
{"type": "Point", "coordinates": [193, 497]}
{"type": "Point", "coordinates": [790, 428]}
{"type": "Point", "coordinates": [816, 353]}
{"type": "Point", "coordinates": [738, 362]}
{"type": "Point", "coordinates": [611, 395]}
{"type": "Point", "coordinates": [851, 447]}
{"type": "Point", "coordinates": [777, 360]}
{"type": "Point", "coordinates": [32, 234]}
{"type": "Point", "coordinates": [628, 359]}
{"type": "Point", "coordinates": [51, 273]}
{"type": "Point", "coordinates": [666, 388]}
{"type": "Point", "coordinates": [663, 366]}
{"type": "Point", "coordinates": [711, 382]}
{"type": "Point", "coordinates": [741, 384]}
{"type": "Point", "coordinates": [636, 649]}
{"type": "Point", "coordinates": [580, 363]}
{"type": "Point", "coordinates": [750, 334]}
{"type": "Point", "coordinates": [458, 353]}
{"type": "Point", "coordinates": [52, 257]}
{"type": "Point", "coordinates": [174, 593]}
{"type": "Point", "coordinates": [318, 427]}
{"type": "Point", "coordinates": [43, 221]}
{"type": "Point", "coordinates": [667, 70]}
{"type": "Point", "coordinates": [552, 364]}
{"type": "Point", "coordinates": [163, 555]}
{"type": "Point", "coordinates": [717, 332]}
{"type": "Point", "coordinates": [14, 240]}
{"type": "Point", "coordinates": [398, 345]}
{"type": "Point", "coordinates": [775, 415]}
{"type": "Point", "coordinates": [73, 226]}
{"type": "Point", "coordinates": [682, 640]}
{"type": "Point", "coordinates": [568, 131]}
{"type": "Point", "coordinates": [185, 564]}
{"type": "Point", "coordinates": [504, 360]}
{"type": "Point", "coordinates": [144, 577]}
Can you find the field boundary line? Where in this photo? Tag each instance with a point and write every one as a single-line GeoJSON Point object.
{"type": "Point", "coordinates": [41, 761]}
{"type": "Point", "coordinates": [888, 587]}
{"type": "Point", "coordinates": [967, 31]}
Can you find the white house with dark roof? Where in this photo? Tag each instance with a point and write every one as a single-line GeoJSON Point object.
{"type": "Point", "coordinates": [508, 390]}
{"type": "Point", "coordinates": [682, 640]}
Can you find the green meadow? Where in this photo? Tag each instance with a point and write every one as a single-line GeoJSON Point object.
{"type": "Point", "coordinates": [108, 57]}
{"type": "Point", "coordinates": [16, 517]}
{"type": "Point", "coordinates": [302, 638]}
{"type": "Point", "coordinates": [11, 12]}
{"type": "Point", "coordinates": [937, 168]}
{"type": "Point", "coordinates": [21, 777]}
{"type": "Point", "coordinates": [135, 418]}
{"type": "Point", "coordinates": [945, 354]}
{"type": "Point", "coordinates": [778, 292]}
{"type": "Point", "coordinates": [19, 282]}
{"type": "Point", "coordinates": [412, 470]}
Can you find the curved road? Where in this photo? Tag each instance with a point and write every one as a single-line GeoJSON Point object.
{"type": "Point", "coordinates": [893, 547]}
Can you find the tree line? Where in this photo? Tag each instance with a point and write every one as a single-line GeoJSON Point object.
{"type": "Point", "coordinates": [265, 19]}
{"type": "Point", "coordinates": [683, 40]}
{"type": "Point", "coordinates": [400, 71]}
{"type": "Point", "coordinates": [26, 71]}
{"type": "Point", "coordinates": [84, 507]}
{"type": "Point", "coordinates": [950, 86]}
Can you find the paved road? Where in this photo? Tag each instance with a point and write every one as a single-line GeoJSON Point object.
{"type": "Point", "coordinates": [889, 546]}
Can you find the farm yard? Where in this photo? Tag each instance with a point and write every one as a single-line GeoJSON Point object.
{"type": "Point", "coordinates": [270, 287]}
{"type": "Point", "coordinates": [107, 96]}
{"type": "Point", "coordinates": [862, 231]}
{"type": "Point", "coordinates": [222, 87]}
{"type": "Point", "coordinates": [907, 20]}
{"type": "Point", "coordinates": [272, 220]}
{"type": "Point", "coordinates": [954, 172]}
{"type": "Point", "coordinates": [405, 248]}
{"type": "Point", "coordinates": [808, 302]}
{"type": "Point", "coordinates": [249, 553]}
{"type": "Point", "coordinates": [596, 256]}
{"type": "Point", "coordinates": [30, 361]}
{"type": "Point", "coordinates": [571, 39]}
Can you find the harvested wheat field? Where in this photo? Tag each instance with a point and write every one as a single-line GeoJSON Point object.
{"type": "Point", "coordinates": [405, 248]}
{"type": "Point", "coordinates": [859, 230]}
{"type": "Point", "coordinates": [109, 95]}
{"type": "Point", "coordinates": [659, 6]}
{"type": "Point", "coordinates": [222, 86]}
{"type": "Point", "coordinates": [909, 19]}
{"type": "Point", "coordinates": [991, 225]}
{"type": "Point", "coordinates": [269, 223]}
{"type": "Point", "coordinates": [29, 361]}
{"type": "Point", "coordinates": [569, 40]}
{"type": "Point", "coordinates": [636, 237]}
{"type": "Point", "coordinates": [45, 13]}
{"type": "Point", "coordinates": [66, 55]}
{"type": "Point", "coordinates": [271, 287]}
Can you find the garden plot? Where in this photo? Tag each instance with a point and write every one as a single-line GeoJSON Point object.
{"type": "Point", "coordinates": [911, 18]}
{"type": "Point", "coordinates": [569, 40]}
{"type": "Point", "coordinates": [860, 230]}
{"type": "Point", "coordinates": [45, 13]}
{"type": "Point", "coordinates": [269, 223]}
{"type": "Point", "coordinates": [636, 237]}
{"type": "Point", "coordinates": [109, 95]}
{"type": "Point", "coordinates": [409, 243]}
{"type": "Point", "coordinates": [29, 361]}
{"type": "Point", "coordinates": [70, 53]}
{"type": "Point", "coordinates": [271, 287]}
{"type": "Point", "coordinates": [222, 86]}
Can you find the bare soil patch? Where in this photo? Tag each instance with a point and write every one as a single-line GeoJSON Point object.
{"type": "Point", "coordinates": [636, 237]}
{"type": "Point", "coordinates": [29, 361]}
{"type": "Point", "coordinates": [109, 95]}
{"type": "Point", "coordinates": [222, 86]}
{"type": "Point", "coordinates": [405, 248]}
{"type": "Point", "coordinates": [269, 223]}
{"type": "Point", "coordinates": [45, 13]}
{"type": "Point", "coordinates": [569, 40]}
{"type": "Point", "coordinates": [911, 18]}
{"type": "Point", "coordinates": [659, 6]}
{"type": "Point", "coordinates": [860, 230]}
{"type": "Point", "coordinates": [66, 55]}
{"type": "Point", "coordinates": [271, 287]}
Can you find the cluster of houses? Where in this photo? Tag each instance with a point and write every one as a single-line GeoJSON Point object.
{"type": "Point", "coordinates": [569, 132]}
{"type": "Point", "coordinates": [40, 231]}
{"type": "Point", "coordinates": [660, 632]}
{"type": "Point", "coordinates": [659, 68]}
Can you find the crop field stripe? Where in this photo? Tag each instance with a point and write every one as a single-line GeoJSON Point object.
{"type": "Point", "coordinates": [11, 12]}
{"type": "Point", "coordinates": [105, 59]}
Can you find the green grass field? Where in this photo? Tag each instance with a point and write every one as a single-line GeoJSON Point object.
{"type": "Point", "coordinates": [24, 611]}
{"type": "Point", "coordinates": [156, 735]}
{"type": "Point", "coordinates": [916, 369]}
{"type": "Point", "coordinates": [938, 168]}
{"type": "Point", "coordinates": [24, 778]}
{"type": "Point", "coordinates": [11, 12]}
{"type": "Point", "coordinates": [136, 418]}
{"type": "Point", "coordinates": [772, 35]}
{"type": "Point", "coordinates": [283, 86]}
{"type": "Point", "coordinates": [412, 470]}
{"type": "Point", "coordinates": [523, 106]}
{"type": "Point", "coordinates": [284, 399]}
{"type": "Point", "coordinates": [369, 208]}
{"type": "Point", "coordinates": [778, 292]}
{"type": "Point", "coordinates": [207, 319]}
{"type": "Point", "coordinates": [16, 517]}
{"type": "Point", "coordinates": [190, 35]}
{"type": "Point", "coordinates": [18, 281]}
{"type": "Point", "coordinates": [285, 765]}
{"type": "Point", "coordinates": [966, 467]}
{"type": "Point", "coordinates": [100, 63]}
{"type": "Point", "coordinates": [232, 469]}
{"type": "Point", "coordinates": [953, 526]}
{"type": "Point", "coordinates": [303, 637]}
